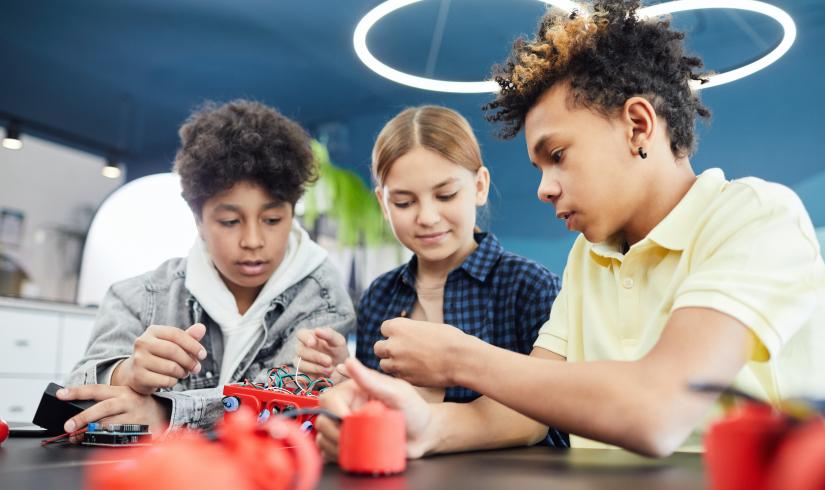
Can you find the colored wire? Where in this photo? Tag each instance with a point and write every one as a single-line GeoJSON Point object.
{"type": "Point", "coordinates": [311, 411]}
{"type": "Point", "coordinates": [65, 435]}
{"type": "Point", "coordinates": [280, 380]}
{"type": "Point", "coordinates": [297, 365]}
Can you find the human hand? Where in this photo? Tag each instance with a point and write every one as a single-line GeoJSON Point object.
{"type": "Point", "coordinates": [422, 353]}
{"type": "Point", "coordinates": [365, 385]}
{"type": "Point", "coordinates": [116, 405]}
{"type": "Point", "coordinates": [320, 350]}
{"type": "Point", "coordinates": [162, 356]}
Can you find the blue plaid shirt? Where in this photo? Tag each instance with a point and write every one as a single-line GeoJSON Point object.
{"type": "Point", "coordinates": [495, 295]}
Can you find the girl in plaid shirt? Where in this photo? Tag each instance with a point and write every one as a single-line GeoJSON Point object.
{"type": "Point", "coordinates": [430, 180]}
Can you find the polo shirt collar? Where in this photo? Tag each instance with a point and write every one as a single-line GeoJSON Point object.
{"type": "Point", "coordinates": [673, 232]}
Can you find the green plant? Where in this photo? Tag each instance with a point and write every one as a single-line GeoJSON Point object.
{"type": "Point", "coordinates": [343, 196]}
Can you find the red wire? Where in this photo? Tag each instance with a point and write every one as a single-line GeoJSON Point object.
{"type": "Point", "coordinates": [50, 440]}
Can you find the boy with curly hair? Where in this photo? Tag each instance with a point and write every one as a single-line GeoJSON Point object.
{"type": "Point", "coordinates": [165, 342]}
{"type": "Point", "coordinates": [675, 277]}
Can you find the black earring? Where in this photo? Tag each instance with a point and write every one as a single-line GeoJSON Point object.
{"type": "Point", "coordinates": [642, 153]}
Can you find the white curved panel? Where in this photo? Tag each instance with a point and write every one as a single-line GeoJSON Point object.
{"type": "Point", "coordinates": [140, 225]}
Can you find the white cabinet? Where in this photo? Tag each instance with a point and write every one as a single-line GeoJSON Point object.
{"type": "Point", "coordinates": [39, 342]}
{"type": "Point", "coordinates": [20, 398]}
{"type": "Point", "coordinates": [75, 331]}
{"type": "Point", "coordinates": [28, 341]}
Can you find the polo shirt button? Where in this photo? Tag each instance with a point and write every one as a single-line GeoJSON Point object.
{"type": "Point", "coordinates": [208, 374]}
{"type": "Point", "coordinates": [627, 283]}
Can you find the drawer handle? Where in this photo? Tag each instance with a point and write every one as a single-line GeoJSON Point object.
{"type": "Point", "coordinates": [21, 343]}
{"type": "Point", "coordinates": [16, 409]}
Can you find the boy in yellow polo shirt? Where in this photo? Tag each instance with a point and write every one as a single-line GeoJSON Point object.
{"type": "Point", "coordinates": [675, 277]}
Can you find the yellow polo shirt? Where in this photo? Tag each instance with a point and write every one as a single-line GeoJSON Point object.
{"type": "Point", "coordinates": [746, 248]}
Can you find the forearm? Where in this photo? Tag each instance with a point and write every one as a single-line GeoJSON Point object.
{"type": "Point", "coordinates": [481, 424]}
{"type": "Point", "coordinates": [620, 403]}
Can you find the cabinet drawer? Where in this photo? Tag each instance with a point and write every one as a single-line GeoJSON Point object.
{"type": "Point", "coordinates": [75, 333]}
{"type": "Point", "coordinates": [28, 341]}
{"type": "Point", "coordinates": [20, 398]}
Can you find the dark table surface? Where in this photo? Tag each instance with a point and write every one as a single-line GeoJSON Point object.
{"type": "Point", "coordinates": [25, 464]}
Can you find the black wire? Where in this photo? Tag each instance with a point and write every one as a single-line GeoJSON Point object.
{"type": "Point", "coordinates": [212, 435]}
{"type": "Point", "coordinates": [311, 411]}
{"type": "Point", "coordinates": [724, 390]}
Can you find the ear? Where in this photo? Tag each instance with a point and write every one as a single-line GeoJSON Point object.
{"type": "Point", "coordinates": [482, 186]}
{"type": "Point", "coordinates": [639, 116]}
{"type": "Point", "coordinates": [379, 194]}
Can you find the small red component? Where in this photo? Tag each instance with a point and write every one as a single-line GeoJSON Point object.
{"type": "Point", "coordinates": [4, 431]}
{"type": "Point", "coordinates": [373, 441]}
{"type": "Point", "coordinates": [259, 400]}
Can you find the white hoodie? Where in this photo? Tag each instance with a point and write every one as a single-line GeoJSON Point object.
{"type": "Point", "coordinates": [302, 256]}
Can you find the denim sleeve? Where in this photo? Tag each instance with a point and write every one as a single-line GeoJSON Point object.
{"type": "Point", "coordinates": [117, 325]}
{"type": "Point", "coordinates": [194, 408]}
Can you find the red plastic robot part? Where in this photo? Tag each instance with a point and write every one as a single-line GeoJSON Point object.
{"type": "Point", "coordinates": [373, 441]}
{"type": "Point", "coordinates": [247, 455]}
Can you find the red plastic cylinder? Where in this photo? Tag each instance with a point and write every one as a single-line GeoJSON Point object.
{"type": "Point", "coordinates": [739, 448]}
{"type": "Point", "coordinates": [373, 441]}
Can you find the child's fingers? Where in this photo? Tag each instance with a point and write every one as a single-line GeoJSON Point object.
{"type": "Point", "coordinates": [337, 376]}
{"type": "Point", "coordinates": [164, 367]}
{"type": "Point", "coordinates": [171, 351]}
{"type": "Point", "coordinates": [179, 337]}
{"type": "Point", "coordinates": [393, 392]}
{"type": "Point", "coordinates": [342, 370]}
{"type": "Point", "coordinates": [87, 392]}
{"type": "Point", "coordinates": [307, 338]}
{"type": "Point", "coordinates": [332, 337]}
{"type": "Point", "coordinates": [314, 356]}
{"type": "Point", "coordinates": [329, 448]}
{"type": "Point", "coordinates": [147, 382]}
{"type": "Point", "coordinates": [341, 401]}
{"type": "Point", "coordinates": [312, 368]}
{"type": "Point", "coordinates": [98, 411]}
{"type": "Point", "coordinates": [197, 331]}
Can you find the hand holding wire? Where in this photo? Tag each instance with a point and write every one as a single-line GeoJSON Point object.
{"type": "Point", "coordinates": [320, 350]}
{"type": "Point", "coordinates": [162, 356]}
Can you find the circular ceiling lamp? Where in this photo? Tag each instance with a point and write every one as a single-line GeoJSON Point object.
{"type": "Point", "coordinates": [359, 40]}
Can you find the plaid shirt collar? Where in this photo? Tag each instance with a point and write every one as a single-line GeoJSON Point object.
{"type": "Point", "coordinates": [477, 265]}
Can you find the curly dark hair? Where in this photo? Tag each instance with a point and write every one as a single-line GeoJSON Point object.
{"type": "Point", "coordinates": [242, 141]}
{"type": "Point", "coordinates": [607, 55]}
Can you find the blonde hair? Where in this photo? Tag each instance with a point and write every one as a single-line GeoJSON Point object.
{"type": "Point", "coordinates": [435, 128]}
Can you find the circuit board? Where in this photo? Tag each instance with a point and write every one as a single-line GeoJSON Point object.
{"type": "Point", "coordinates": [117, 435]}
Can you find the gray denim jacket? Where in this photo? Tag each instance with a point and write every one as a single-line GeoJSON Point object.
{"type": "Point", "coordinates": [159, 297]}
